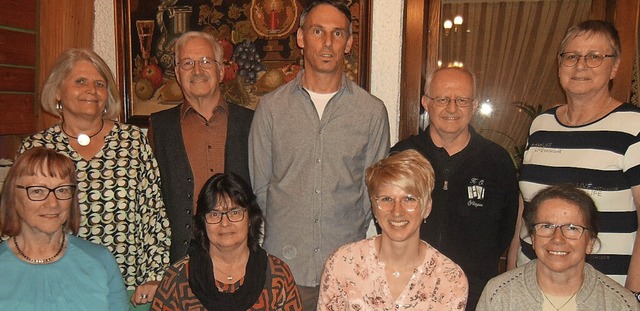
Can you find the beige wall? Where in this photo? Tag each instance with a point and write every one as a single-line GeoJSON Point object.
{"type": "Point", "coordinates": [385, 56]}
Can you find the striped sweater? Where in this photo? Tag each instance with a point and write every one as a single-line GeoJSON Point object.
{"type": "Point", "coordinates": [601, 158]}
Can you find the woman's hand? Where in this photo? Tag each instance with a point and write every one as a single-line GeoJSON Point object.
{"type": "Point", "coordinates": [144, 293]}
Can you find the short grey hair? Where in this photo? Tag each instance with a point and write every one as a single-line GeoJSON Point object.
{"type": "Point", "coordinates": [215, 45]}
{"type": "Point", "coordinates": [594, 27]}
{"type": "Point", "coordinates": [427, 82]}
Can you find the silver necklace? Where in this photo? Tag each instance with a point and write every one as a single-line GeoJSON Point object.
{"type": "Point", "coordinates": [39, 261]}
{"type": "Point", "coordinates": [83, 139]}
{"type": "Point", "coordinates": [566, 113]}
{"type": "Point", "coordinates": [562, 306]}
{"type": "Point", "coordinates": [229, 276]}
{"type": "Point", "coordinates": [396, 273]}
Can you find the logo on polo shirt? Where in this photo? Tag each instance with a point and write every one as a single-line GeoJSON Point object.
{"type": "Point", "coordinates": [475, 191]}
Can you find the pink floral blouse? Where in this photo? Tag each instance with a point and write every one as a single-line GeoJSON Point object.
{"type": "Point", "coordinates": [354, 279]}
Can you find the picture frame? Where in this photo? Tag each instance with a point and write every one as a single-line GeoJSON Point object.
{"type": "Point", "coordinates": [257, 35]}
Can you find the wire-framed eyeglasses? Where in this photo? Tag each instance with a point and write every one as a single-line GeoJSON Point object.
{"type": "Point", "coordinates": [188, 63]}
{"type": "Point", "coordinates": [233, 215]}
{"type": "Point", "coordinates": [569, 231]}
{"type": "Point", "coordinates": [40, 193]}
{"type": "Point", "coordinates": [592, 60]}
{"type": "Point", "coordinates": [386, 203]}
{"type": "Point", "coordinates": [444, 101]}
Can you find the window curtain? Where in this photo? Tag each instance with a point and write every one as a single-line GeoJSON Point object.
{"type": "Point", "coordinates": [512, 48]}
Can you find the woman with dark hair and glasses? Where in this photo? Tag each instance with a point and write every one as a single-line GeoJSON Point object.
{"type": "Point", "coordinates": [592, 143]}
{"type": "Point", "coordinates": [226, 269]}
{"type": "Point", "coordinates": [562, 222]}
{"type": "Point", "coordinates": [394, 270]}
{"type": "Point", "coordinates": [43, 265]}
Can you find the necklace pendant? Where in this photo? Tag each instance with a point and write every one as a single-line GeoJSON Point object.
{"type": "Point", "coordinates": [396, 274]}
{"type": "Point", "coordinates": [84, 140]}
{"type": "Point", "coordinates": [229, 278]}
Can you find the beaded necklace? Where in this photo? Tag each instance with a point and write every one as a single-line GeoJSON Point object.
{"type": "Point", "coordinates": [39, 261]}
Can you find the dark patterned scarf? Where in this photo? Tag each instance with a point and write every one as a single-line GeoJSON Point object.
{"type": "Point", "coordinates": [203, 284]}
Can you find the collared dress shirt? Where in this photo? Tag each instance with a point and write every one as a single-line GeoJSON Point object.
{"type": "Point", "coordinates": [308, 173]}
{"type": "Point", "coordinates": [204, 142]}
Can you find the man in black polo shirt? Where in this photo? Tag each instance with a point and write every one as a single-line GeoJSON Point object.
{"type": "Point", "coordinates": [475, 200]}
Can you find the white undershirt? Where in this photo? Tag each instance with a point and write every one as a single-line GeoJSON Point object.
{"type": "Point", "coordinates": [320, 101]}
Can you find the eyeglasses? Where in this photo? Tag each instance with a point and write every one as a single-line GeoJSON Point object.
{"type": "Point", "coordinates": [569, 231]}
{"type": "Point", "coordinates": [188, 63]}
{"type": "Point", "coordinates": [593, 60]}
{"type": "Point", "coordinates": [234, 215]}
{"type": "Point", "coordinates": [385, 203]}
{"type": "Point", "coordinates": [40, 193]}
{"type": "Point", "coordinates": [442, 101]}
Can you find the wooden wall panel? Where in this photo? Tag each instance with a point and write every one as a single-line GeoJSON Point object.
{"type": "Point", "coordinates": [18, 63]}
{"type": "Point", "coordinates": [413, 64]}
{"type": "Point", "coordinates": [17, 79]}
{"type": "Point", "coordinates": [20, 107]}
{"type": "Point", "coordinates": [19, 14]}
{"type": "Point", "coordinates": [23, 54]}
{"type": "Point", "coordinates": [64, 24]}
{"type": "Point", "coordinates": [626, 21]}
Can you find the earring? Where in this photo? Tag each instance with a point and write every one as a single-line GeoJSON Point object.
{"type": "Point", "coordinates": [104, 111]}
{"type": "Point", "coordinates": [424, 220]}
{"type": "Point", "coordinates": [59, 105]}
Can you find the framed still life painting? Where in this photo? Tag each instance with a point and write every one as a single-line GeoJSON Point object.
{"type": "Point", "coordinates": [258, 38]}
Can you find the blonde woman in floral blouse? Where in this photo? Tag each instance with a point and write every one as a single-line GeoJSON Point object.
{"type": "Point", "coordinates": [118, 178]}
{"type": "Point", "coordinates": [394, 270]}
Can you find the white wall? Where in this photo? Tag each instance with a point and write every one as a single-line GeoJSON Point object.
{"type": "Point", "coordinates": [386, 48]}
{"type": "Point", "coordinates": [386, 53]}
{"type": "Point", "coordinates": [104, 38]}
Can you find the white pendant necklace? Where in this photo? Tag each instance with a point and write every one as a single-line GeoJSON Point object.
{"type": "Point", "coordinates": [83, 139]}
{"type": "Point", "coordinates": [396, 274]}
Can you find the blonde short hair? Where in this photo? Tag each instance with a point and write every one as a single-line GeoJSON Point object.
{"type": "Point", "coordinates": [64, 64]}
{"type": "Point", "coordinates": [407, 170]}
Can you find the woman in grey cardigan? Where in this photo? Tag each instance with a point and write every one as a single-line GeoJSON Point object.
{"type": "Point", "coordinates": [562, 222]}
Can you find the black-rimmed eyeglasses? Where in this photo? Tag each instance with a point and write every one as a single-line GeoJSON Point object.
{"type": "Point", "coordinates": [569, 231]}
{"type": "Point", "coordinates": [443, 101]}
{"type": "Point", "coordinates": [592, 60]}
{"type": "Point", "coordinates": [40, 193]}
{"type": "Point", "coordinates": [234, 215]}
{"type": "Point", "coordinates": [188, 63]}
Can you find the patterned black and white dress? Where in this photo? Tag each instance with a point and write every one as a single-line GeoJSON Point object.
{"type": "Point", "coordinates": [120, 199]}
